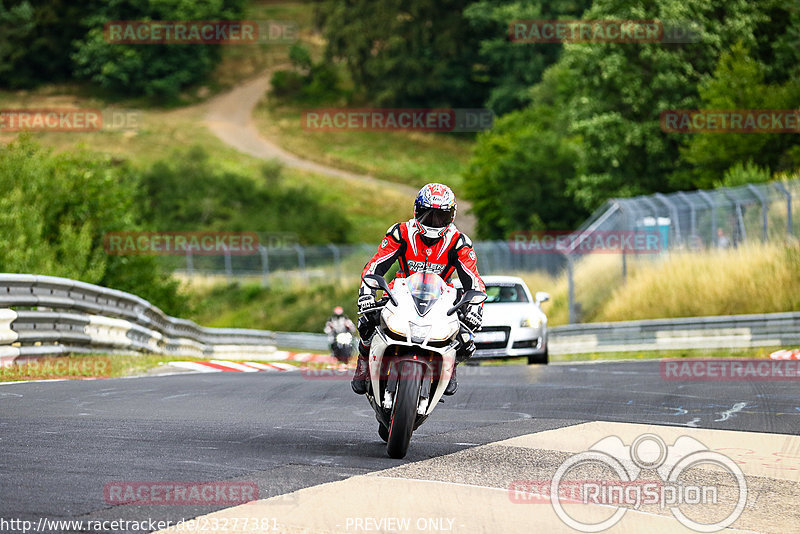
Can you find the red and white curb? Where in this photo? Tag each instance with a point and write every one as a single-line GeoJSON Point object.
{"type": "Point", "coordinates": [302, 357]}
{"type": "Point", "coordinates": [793, 354]}
{"type": "Point", "coordinates": [220, 366]}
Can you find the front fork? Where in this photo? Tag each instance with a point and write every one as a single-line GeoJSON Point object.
{"type": "Point", "coordinates": [424, 367]}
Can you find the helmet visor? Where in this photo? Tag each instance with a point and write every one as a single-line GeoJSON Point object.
{"type": "Point", "coordinates": [435, 217]}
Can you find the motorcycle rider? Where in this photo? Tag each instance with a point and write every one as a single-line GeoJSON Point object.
{"type": "Point", "coordinates": [336, 324]}
{"type": "Point", "coordinates": [428, 242]}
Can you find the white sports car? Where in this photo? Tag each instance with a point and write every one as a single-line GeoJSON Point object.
{"type": "Point", "coordinates": [514, 324]}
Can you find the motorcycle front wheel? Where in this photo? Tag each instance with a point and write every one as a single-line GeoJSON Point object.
{"type": "Point", "coordinates": [404, 411]}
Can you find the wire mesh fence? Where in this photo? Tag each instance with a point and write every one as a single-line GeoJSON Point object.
{"type": "Point", "coordinates": [687, 221]}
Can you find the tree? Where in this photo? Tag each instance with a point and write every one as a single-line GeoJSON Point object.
{"type": "Point", "coordinates": [517, 174]}
{"type": "Point", "coordinates": [413, 53]}
{"type": "Point", "coordinates": [510, 68]}
{"type": "Point", "coordinates": [738, 82]}
{"type": "Point", "coordinates": [160, 71]}
{"type": "Point", "coordinates": [55, 211]}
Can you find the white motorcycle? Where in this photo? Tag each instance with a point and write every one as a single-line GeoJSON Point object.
{"type": "Point", "coordinates": [413, 352]}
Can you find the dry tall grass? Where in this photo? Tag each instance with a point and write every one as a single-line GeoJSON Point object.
{"type": "Point", "coordinates": [750, 279]}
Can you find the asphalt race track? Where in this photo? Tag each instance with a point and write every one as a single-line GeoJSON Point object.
{"type": "Point", "coordinates": [62, 442]}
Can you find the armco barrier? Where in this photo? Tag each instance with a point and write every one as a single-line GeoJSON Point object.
{"type": "Point", "coordinates": [718, 332]}
{"type": "Point", "coordinates": [47, 316]}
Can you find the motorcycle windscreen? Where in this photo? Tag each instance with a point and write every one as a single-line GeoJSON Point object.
{"type": "Point", "coordinates": [425, 288]}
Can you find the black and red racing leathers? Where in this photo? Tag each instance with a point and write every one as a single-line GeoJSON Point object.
{"type": "Point", "coordinates": [448, 255]}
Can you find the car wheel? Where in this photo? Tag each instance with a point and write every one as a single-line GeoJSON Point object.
{"type": "Point", "coordinates": [542, 358]}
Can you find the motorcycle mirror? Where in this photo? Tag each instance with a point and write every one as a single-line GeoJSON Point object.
{"type": "Point", "coordinates": [376, 282]}
{"type": "Point", "coordinates": [470, 297]}
{"type": "Point", "coordinates": [478, 297]}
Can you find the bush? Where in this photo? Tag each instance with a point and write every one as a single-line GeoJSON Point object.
{"type": "Point", "coordinates": [309, 82]}
{"type": "Point", "coordinates": [55, 211]}
{"type": "Point", "coordinates": [159, 71]}
{"type": "Point", "coordinates": [188, 192]}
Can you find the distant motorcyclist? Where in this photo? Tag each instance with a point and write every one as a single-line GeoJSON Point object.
{"type": "Point", "coordinates": [428, 242]}
{"type": "Point", "coordinates": [339, 323]}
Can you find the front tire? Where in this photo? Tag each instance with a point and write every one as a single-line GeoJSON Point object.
{"type": "Point", "coordinates": [383, 432]}
{"type": "Point", "coordinates": [404, 411]}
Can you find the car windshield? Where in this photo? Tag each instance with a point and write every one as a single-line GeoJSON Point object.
{"type": "Point", "coordinates": [506, 293]}
{"type": "Point", "coordinates": [425, 289]}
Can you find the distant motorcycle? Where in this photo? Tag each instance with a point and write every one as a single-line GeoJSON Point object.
{"type": "Point", "coordinates": [342, 346]}
{"type": "Point", "coordinates": [340, 332]}
{"type": "Point", "coordinates": [412, 354]}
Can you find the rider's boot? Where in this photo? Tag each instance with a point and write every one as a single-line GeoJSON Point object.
{"type": "Point", "coordinates": [463, 353]}
{"type": "Point", "coordinates": [359, 382]}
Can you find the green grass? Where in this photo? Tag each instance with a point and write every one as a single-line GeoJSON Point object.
{"type": "Point", "coordinates": [409, 158]}
{"type": "Point", "coordinates": [87, 366]}
{"type": "Point", "coordinates": [756, 352]}
{"type": "Point", "coordinates": [295, 308]}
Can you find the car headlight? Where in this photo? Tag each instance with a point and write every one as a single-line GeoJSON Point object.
{"type": "Point", "coordinates": [531, 322]}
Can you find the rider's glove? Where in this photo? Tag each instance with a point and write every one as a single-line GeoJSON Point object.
{"type": "Point", "coordinates": [366, 303]}
{"type": "Point", "coordinates": [473, 318]}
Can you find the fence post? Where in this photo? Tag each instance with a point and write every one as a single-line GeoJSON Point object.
{"type": "Point", "coordinates": [337, 260]}
{"type": "Point", "coordinates": [189, 261]}
{"type": "Point", "coordinates": [264, 265]}
{"type": "Point", "coordinates": [301, 261]}
{"type": "Point", "coordinates": [705, 196]}
{"type": "Point", "coordinates": [788, 194]}
{"type": "Point", "coordinates": [571, 285]}
{"type": "Point", "coordinates": [763, 200]}
{"type": "Point", "coordinates": [228, 267]}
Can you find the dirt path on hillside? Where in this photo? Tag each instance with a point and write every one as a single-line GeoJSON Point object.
{"type": "Point", "coordinates": [230, 118]}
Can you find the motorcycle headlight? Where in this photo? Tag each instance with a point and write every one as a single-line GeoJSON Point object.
{"type": "Point", "coordinates": [344, 338]}
{"type": "Point", "coordinates": [419, 333]}
{"type": "Point", "coordinates": [397, 325]}
{"type": "Point", "coordinates": [444, 331]}
{"type": "Point", "coordinates": [531, 322]}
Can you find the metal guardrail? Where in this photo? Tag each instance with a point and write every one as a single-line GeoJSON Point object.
{"type": "Point", "coordinates": [717, 332]}
{"type": "Point", "coordinates": [47, 315]}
